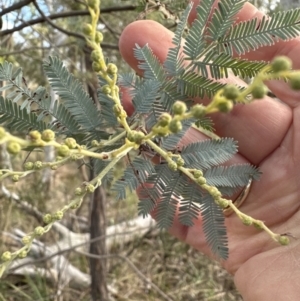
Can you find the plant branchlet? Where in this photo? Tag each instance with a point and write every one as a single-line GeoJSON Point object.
{"type": "Point", "coordinates": [189, 177]}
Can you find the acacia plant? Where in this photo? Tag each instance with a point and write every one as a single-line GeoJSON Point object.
{"type": "Point", "coordinates": [191, 178]}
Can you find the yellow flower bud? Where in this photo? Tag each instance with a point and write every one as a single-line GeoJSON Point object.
{"type": "Point", "coordinates": [35, 135]}
{"type": "Point", "coordinates": [47, 219]}
{"type": "Point", "coordinates": [164, 119]}
{"type": "Point", "coordinates": [259, 91]}
{"type": "Point", "coordinates": [38, 165]}
{"type": "Point", "coordinates": [58, 215]}
{"type": "Point", "coordinates": [15, 178]}
{"type": "Point", "coordinates": [28, 166]}
{"type": "Point", "coordinates": [78, 191]}
{"type": "Point", "coordinates": [39, 231]}
{"type": "Point", "coordinates": [179, 108]}
{"type": "Point", "coordinates": [71, 143]}
{"type": "Point", "coordinates": [283, 240]}
{"type": "Point", "coordinates": [90, 188]}
{"type": "Point", "coordinates": [112, 69]}
{"type": "Point", "coordinates": [106, 89]}
{"type": "Point", "coordinates": [198, 174]}
{"type": "Point", "coordinates": [6, 256]}
{"type": "Point", "coordinates": [281, 63]}
{"type": "Point", "coordinates": [48, 135]}
{"type": "Point", "coordinates": [98, 37]}
{"type": "Point", "coordinates": [22, 254]}
{"type": "Point", "coordinates": [96, 66]}
{"type": "Point", "coordinates": [198, 111]}
{"type": "Point", "coordinates": [175, 126]}
{"type": "Point", "coordinates": [26, 240]}
{"type": "Point", "coordinates": [172, 165]}
{"type": "Point", "coordinates": [63, 151]}
{"type": "Point", "coordinates": [13, 148]}
{"type": "Point", "coordinates": [87, 29]}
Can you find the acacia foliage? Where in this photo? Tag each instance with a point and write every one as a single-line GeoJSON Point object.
{"type": "Point", "coordinates": [162, 85]}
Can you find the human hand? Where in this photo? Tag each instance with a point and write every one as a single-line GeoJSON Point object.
{"type": "Point", "coordinates": [268, 134]}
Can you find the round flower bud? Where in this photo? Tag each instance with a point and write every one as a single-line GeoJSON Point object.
{"type": "Point", "coordinates": [295, 82]}
{"type": "Point", "coordinates": [96, 55]}
{"type": "Point", "coordinates": [95, 143]}
{"type": "Point", "coordinates": [2, 132]}
{"type": "Point", "coordinates": [175, 126]}
{"type": "Point", "coordinates": [96, 66]}
{"type": "Point", "coordinates": [39, 231]}
{"type": "Point", "coordinates": [260, 91]}
{"type": "Point", "coordinates": [28, 166]}
{"type": "Point", "coordinates": [63, 151]}
{"type": "Point", "coordinates": [106, 89]}
{"type": "Point", "coordinates": [47, 218]}
{"type": "Point", "coordinates": [214, 192]}
{"type": "Point", "coordinates": [54, 167]}
{"type": "Point", "coordinates": [198, 111]}
{"type": "Point", "coordinates": [283, 240]}
{"type": "Point", "coordinates": [58, 215]}
{"type": "Point", "coordinates": [180, 162]}
{"type": "Point", "coordinates": [78, 191]}
{"type": "Point", "coordinates": [224, 105]}
{"type": "Point", "coordinates": [198, 174]}
{"type": "Point", "coordinates": [231, 92]}
{"type": "Point", "coordinates": [6, 256]}
{"type": "Point", "coordinates": [98, 37]}
{"type": "Point", "coordinates": [112, 69]}
{"type": "Point", "coordinates": [164, 119]}
{"type": "Point", "coordinates": [117, 110]}
{"type": "Point", "coordinates": [87, 29]}
{"type": "Point", "coordinates": [35, 135]}
{"type": "Point", "coordinates": [247, 220]}
{"type": "Point", "coordinates": [75, 206]}
{"type": "Point", "coordinates": [223, 203]}
{"type": "Point", "coordinates": [13, 148]}
{"type": "Point", "coordinates": [15, 178]}
{"type": "Point", "coordinates": [71, 143]}
{"type": "Point", "coordinates": [179, 108]}
{"type": "Point", "coordinates": [38, 165]}
{"type": "Point", "coordinates": [90, 188]}
{"type": "Point", "coordinates": [138, 137]}
{"type": "Point", "coordinates": [74, 157]}
{"type": "Point", "coordinates": [201, 181]}
{"type": "Point", "coordinates": [22, 254]}
{"type": "Point", "coordinates": [172, 165]}
{"type": "Point", "coordinates": [26, 240]}
{"type": "Point", "coordinates": [281, 63]}
{"type": "Point", "coordinates": [48, 135]}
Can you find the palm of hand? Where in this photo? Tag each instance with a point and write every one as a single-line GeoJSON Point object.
{"type": "Point", "coordinates": [268, 133]}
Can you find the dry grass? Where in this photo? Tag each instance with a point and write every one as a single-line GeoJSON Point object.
{"type": "Point", "coordinates": [179, 271]}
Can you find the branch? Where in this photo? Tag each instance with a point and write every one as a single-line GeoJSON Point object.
{"type": "Point", "coordinates": [65, 15]}
{"type": "Point", "coordinates": [14, 7]}
{"type": "Point", "coordinates": [68, 33]}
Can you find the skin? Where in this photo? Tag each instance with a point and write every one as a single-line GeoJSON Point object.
{"type": "Point", "coordinates": [268, 133]}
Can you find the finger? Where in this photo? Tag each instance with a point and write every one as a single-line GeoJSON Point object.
{"type": "Point", "coordinates": [259, 127]}
{"type": "Point", "coordinates": [289, 48]}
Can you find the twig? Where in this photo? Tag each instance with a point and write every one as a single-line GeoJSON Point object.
{"type": "Point", "coordinates": [66, 15]}
{"type": "Point", "coordinates": [68, 33]}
